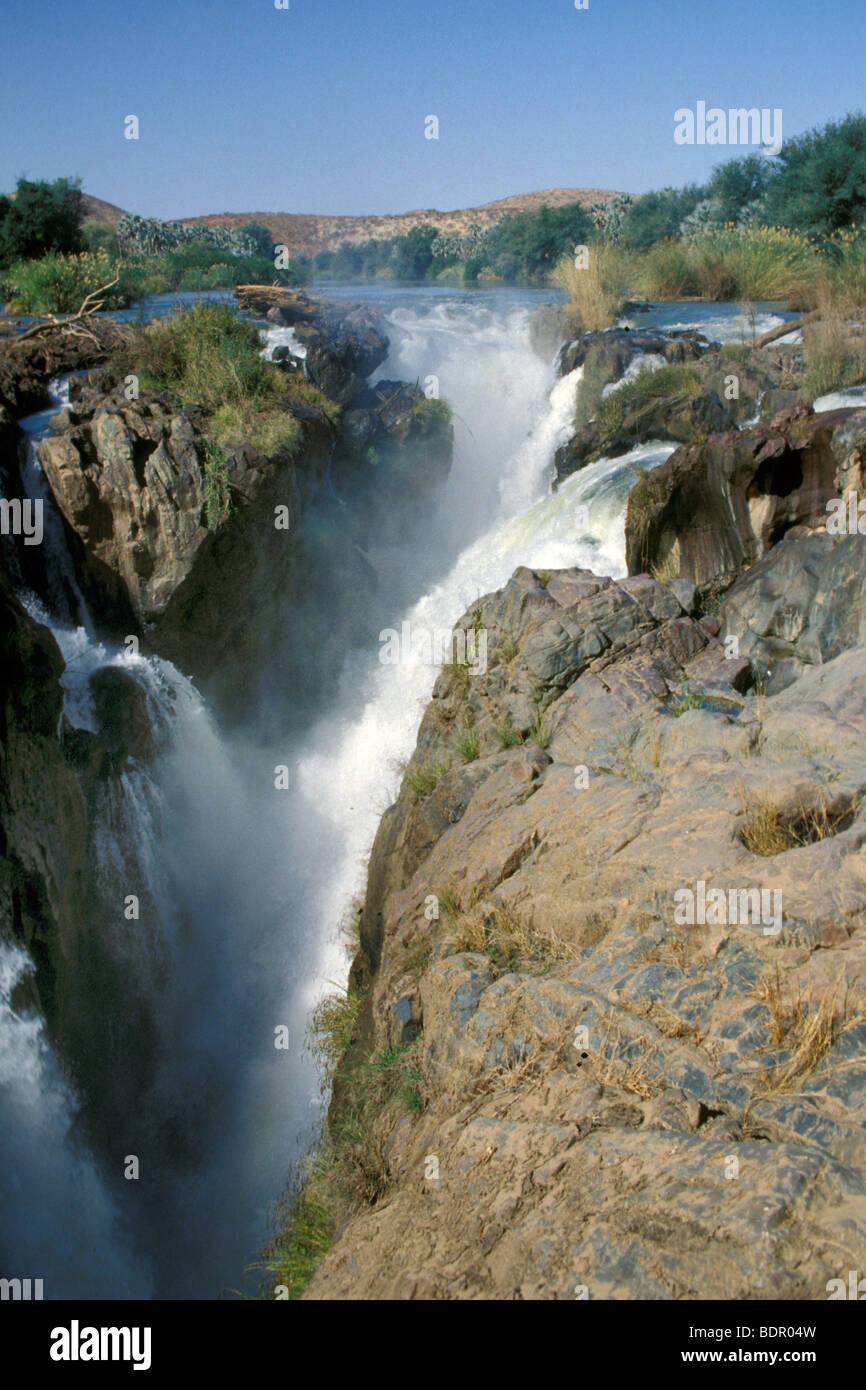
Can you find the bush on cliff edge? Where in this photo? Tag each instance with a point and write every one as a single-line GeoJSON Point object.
{"type": "Point", "coordinates": [210, 356]}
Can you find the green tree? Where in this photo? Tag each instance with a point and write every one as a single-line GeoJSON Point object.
{"type": "Point", "coordinates": [658, 214]}
{"type": "Point", "coordinates": [412, 256]}
{"type": "Point", "coordinates": [739, 183]}
{"type": "Point", "coordinates": [820, 183]}
{"type": "Point", "coordinates": [41, 217]}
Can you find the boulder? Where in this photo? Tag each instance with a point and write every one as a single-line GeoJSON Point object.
{"type": "Point", "coordinates": [120, 707]}
{"type": "Point", "coordinates": [802, 605]}
{"type": "Point", "coordinates": [716, 507]}
{"type": "Point", "coordinates": [344, 347]}
{"type": "Point", "coordinates": [614, 349]}
{"type": "Point", "coordinates": [716, 392]}
{"type": "Point", "coordinates": [27, 364]}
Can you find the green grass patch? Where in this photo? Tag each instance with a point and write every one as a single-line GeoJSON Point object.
{"type": "Point", "coordinates": [216, 485]}
{"type": "Point", "coordinates": [333, 1027]}
{"type": "Point", "coordinates": [209, 356]}
{"type": "Point", "coordinates": [429, 415]}
{"type": "Point", "coordinates": [347, 1172]}
{"type": "Point", "coordinates": [466, 743]}
{"type": "Point", "coordinates": [540, 732]}
{"type": "Point", "coordinates": [424, 778]}
{"type": "Point", "coordinates": [506, 734]}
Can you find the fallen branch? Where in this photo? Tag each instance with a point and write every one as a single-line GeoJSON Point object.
{"type": "Point", "coordinates": [87, 308]}
{"type": "Point", "coordinates": [785, 328]}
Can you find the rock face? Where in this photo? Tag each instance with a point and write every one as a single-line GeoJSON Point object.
{"type": "Point", "coordinates": [614, 349]}
{"type": "Point", "coordinates": [716, 507]}
{"type": "Point", "coordinates": [344, 347]}
{"type": "Point", "coordinates": [618, 1095]}
{"type": "Point", "coordinates": [131, 479]}
{"type": "Point", "coordinates": [399, 440]}
{"type": "Point", "coordinates": [718, 392]}
{"type": "Point", "coordinates": [43, 817]}
{"type": "Point", "coordinates": [130, 483]}
{"type": "Point", "coordinates": [802, 605]}
{"type": "Point", "coordinates": [27, 364]}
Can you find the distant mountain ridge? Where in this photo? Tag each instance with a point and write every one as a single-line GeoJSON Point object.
{"type": "Point", "coordinates": [308, 233]}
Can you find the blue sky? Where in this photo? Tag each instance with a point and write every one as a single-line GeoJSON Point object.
{"type": "Point", "coordinates": [321, 107]}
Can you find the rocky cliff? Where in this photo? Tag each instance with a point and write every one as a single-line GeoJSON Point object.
{"type": "Point", "coordinates": [185, 547]}
{"type": "Point", "coordinates": [616, 1095]}
{"type": "Point", "coordinates": [613, 947]}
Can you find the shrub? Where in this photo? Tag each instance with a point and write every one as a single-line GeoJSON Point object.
{"type": "Point", "coordinates": [597, 290]}
{"type": "Point", "coordinates": [57, 283]}
{"type": "Point", "coordinates": [141, 277]}
{"type": "Point", "coordinates": [668, 271]}
{"type": "Point", "coordinates": [754, 263]}
{"type": "Point", "coordinates": [210, 356]}
{"type": "Point", "coordinates": [738, 263]}
{"type": "Point", "coordinates": [41, 217]}
{"type": "Point", "coordinates": [835, 352]}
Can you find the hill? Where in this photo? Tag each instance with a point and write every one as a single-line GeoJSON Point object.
{"type": "Point", "coordinates": [310, 232]}
{"type": "Point", "coordinates": [97, 210]}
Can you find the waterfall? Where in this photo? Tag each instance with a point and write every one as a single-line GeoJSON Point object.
{"type": "Point", "coordinates": [242, 884]}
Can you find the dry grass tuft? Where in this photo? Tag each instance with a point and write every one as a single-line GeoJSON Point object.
{"type": "Point", "coordinates": [766, 831]}
{"type": "Point", "coordinates": [807, 1027]}
{"type": "Point", "coordinates": [597, 290]}
{"type": "Point", "coordinates": [499, 932]}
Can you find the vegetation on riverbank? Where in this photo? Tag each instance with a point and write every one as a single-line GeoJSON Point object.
{"type": "Point", "coordinates": [209, 356]}
{"type": "Point", "coordinates": [348, 1169]}
{"type": "Point", "coordinates": [791, 229]}
{"type": "Point", "coordinates": [49, 260]}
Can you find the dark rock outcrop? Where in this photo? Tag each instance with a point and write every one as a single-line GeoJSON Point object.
{"type": "Point", "coordinates": [715, 392]}
{"type": "Point", "coordinates": [614, 349]}
{"type": "Point", "coordinates": [44, 871]}
{"type": "Point", "coordinates": [344, 347]}
{"type": "Point", "coordinates": [802, 605]}
{"type": "Point", "coordinates": [27, 364]}
{"type": "Point", "coordinates": [715, 508]}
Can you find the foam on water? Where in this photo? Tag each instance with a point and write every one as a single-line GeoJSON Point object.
{"type": "Point", "coordinates": [841, 400]}
{"type": "Point", "coordinates": [59, 1224]}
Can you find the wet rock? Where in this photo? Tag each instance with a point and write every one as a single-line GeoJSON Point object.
{"type": "Point", "coordinates": [120, 707]}
{"type": "Point", "coordinates": [715, 508]}
{"type": "Point", "coordinates": [27, 364]}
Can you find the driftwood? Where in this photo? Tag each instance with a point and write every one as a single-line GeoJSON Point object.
{"type": "Point", "coordinates": [785, 328]}
{"type": "Point", "coordinates": [91, 304]}
{"type": "Point", "coordinates": [259, 298]}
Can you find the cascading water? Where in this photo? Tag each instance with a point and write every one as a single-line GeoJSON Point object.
{"type": "Point", "coordinates": [242, 884]}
